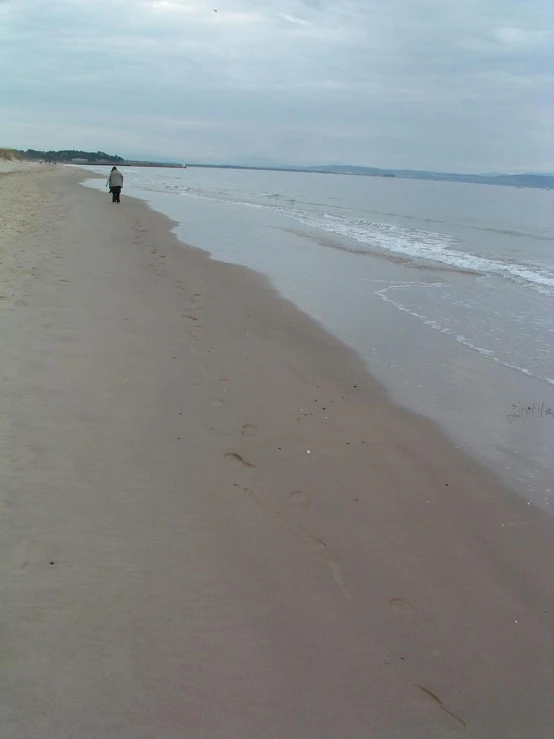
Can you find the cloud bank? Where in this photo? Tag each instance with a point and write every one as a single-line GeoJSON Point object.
{"type": "Point", "coordinates": [406, 83]}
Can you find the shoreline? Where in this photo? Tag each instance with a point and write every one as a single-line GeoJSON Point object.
{"type": "Point", "coordinates": [434, 358]}
{"type": "Point", "coordinates": [224, 458]}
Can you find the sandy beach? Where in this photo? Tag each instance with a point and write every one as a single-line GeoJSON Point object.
{"type": "Point", "coordinates": [213, 522]}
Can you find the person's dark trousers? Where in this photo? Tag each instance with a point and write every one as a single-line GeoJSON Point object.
{"type": "Point", "coordinates": [116, 192]}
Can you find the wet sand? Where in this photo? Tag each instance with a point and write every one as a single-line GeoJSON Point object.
{"type": "Point", "coordinates": [213, 523]}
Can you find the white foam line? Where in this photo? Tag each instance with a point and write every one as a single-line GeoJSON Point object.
{"type": "Point", "coordinates": [460, 338]}
{"type": "Point", "coordinates": [414, 243]}
{"type": "Point", "coordinates": [411, 243]}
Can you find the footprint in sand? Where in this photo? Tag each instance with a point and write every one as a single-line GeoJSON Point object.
{"type": "Point", "coordinates": [336, 572]}
{"type": "Point", "coordinates": [219, 402]}
{"type": "Point", "coordinates": [25, 553]}
{"type": "Point", "coordinates": [313, 542]}
{"type": "Point", "coordinates": [429, 701]}
{"type": "Point", "coordinates": [317, 544]}
{"type": "Point", "coordinates": [251, 494]}
{"type": "Point", "coordinates": [239, 458]}
{"type": "Point", "coordinates": [224, 381]}
{"type": "Point", "coordinates": [398, 605]}
{"type": "Point", "coordinates": [299, 498]}
{"type": "Point", "coordinates": [249, 430]}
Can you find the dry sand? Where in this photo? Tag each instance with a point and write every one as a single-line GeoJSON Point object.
{"type": "Point", "coordinates": [213, 524]}
{"type": "Point", "coordinates": [14, 165]}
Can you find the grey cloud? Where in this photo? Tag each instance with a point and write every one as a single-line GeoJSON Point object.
{"type": "Point", "coordinates": [430, 84]}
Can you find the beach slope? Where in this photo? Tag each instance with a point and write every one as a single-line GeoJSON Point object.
{"type": "Point", "coordinates": [214, 524]}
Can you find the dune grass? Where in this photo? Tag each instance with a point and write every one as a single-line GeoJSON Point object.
{"type": "Point", "coordinates": [9, 154]}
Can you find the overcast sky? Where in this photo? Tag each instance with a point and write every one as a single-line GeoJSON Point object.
{"type": "Point", "coordinates": [459, 85]}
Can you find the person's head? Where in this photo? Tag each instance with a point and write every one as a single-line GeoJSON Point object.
{"type": "Point", "coordinates": [114, 168]}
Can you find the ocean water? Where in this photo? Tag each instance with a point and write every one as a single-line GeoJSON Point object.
{"type": "Point", "coordinates": [446, 290]}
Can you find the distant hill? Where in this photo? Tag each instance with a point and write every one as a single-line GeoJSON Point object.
{"type": "Point", "coordinates": [71, 155]}
{"type": "Point", "coordinates": [513, 180]}
{"type": "Point", "coordinates": [545, 182]}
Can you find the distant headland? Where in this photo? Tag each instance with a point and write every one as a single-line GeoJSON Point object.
{"type": "Point", "coordinates": [73, 156]}
{"type": "Point", "coordinates": [544, 182]}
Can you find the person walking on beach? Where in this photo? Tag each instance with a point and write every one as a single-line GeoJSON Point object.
{"type": "Point", "coordinates": [115, 183]}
